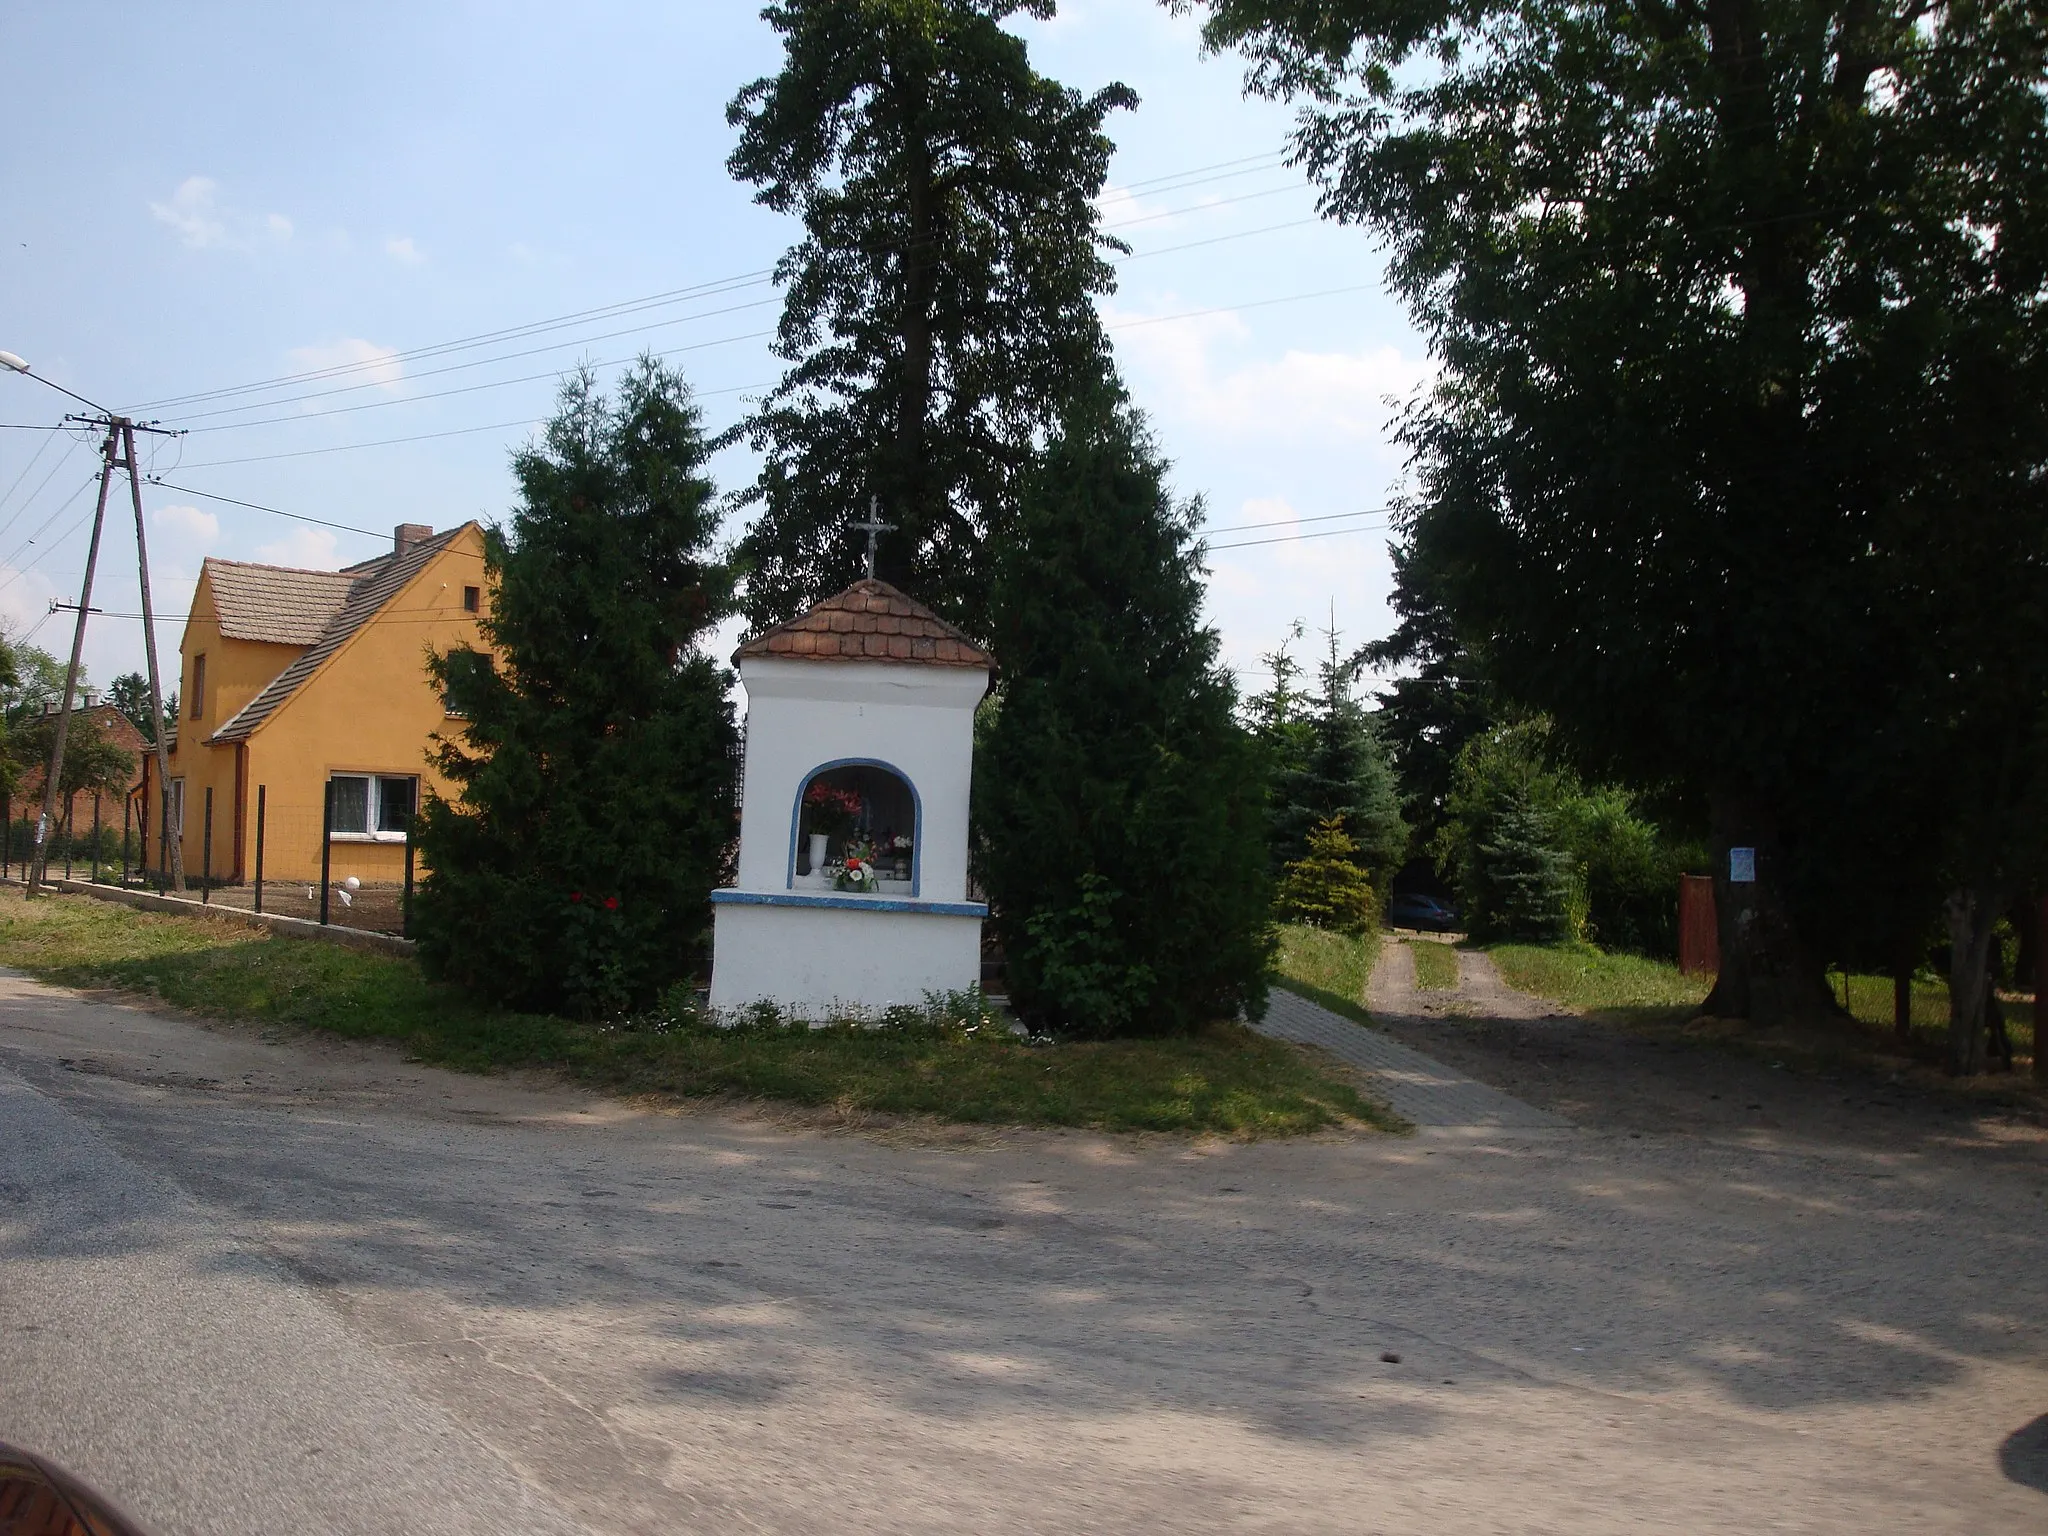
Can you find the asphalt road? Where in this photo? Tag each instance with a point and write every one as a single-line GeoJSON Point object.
{"type": "Point", "coordinates": [252, 1284]}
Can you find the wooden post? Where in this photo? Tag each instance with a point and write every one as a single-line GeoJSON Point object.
{"type": "Point", "coordinates": [127, 820]}
{"type": "Point", "coordinates": [326, 846]}
{"type": "Point", "coordinates": [95, 837]}
{"type": "Point", "coordinates": [262, 794]}
{"type": "Point", "coordinates": [92, 560]}
{"type": "Point", "coordinates": [206, 853]}
{"type": "Point", "coordinates": [7, 842]}
{"type": "Point", "coordinates": [70, 838]}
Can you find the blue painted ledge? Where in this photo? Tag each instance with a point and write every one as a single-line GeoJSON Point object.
{"type": "Point", "coordinates": [840, 900]}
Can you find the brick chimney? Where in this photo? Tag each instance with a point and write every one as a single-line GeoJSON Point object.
{"type": "Point", "coordinates": [405, 535]}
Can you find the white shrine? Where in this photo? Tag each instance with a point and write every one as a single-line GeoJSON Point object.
{"type": "Point", "coordinates": [851, 893]}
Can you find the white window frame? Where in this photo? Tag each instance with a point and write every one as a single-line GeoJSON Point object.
{"type": "Point", "coordinates": [373, 799]}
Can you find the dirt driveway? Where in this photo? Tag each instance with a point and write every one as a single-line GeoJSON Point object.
{"type": "Point", "coordinates": [1732, 1300]}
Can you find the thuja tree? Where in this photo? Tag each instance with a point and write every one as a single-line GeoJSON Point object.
{"type": "Point", "coordinates": [1118, 804]}
{"type": "Point", "coordinates": [940, 304]}
{"type": "Point", "coordinates": [1709, 284]}
{"type": "Point", "coordinates": [595, 770]}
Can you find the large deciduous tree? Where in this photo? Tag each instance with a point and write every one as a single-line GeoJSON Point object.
{"type": "Point", "coordinates": [1120, 807]}
{"type": "Point", "coordinates": [939, 308]}
{"type": "Point", "coordinates": [1733, 461]}
{"type": "Point", "coordinates": [596, 767]}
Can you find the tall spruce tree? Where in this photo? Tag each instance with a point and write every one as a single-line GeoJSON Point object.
{"type": "Point", "coordinates": [596, 767]}
{"type": "Point", "coordinates": [1343, 774]}
{"type": "Point", "coordinates": [940, 305]}
{"type": "Point", "coordinates": [1118, 803]}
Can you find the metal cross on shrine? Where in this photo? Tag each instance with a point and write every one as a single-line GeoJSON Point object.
{"type": "Point", "coordinates": [874, 527]}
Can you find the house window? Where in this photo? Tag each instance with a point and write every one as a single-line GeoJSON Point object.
{"type": "Point", "coordinates": [372, 807]}
{"type": "Point", "coordinates": [472, 599]}
{"type": "Point", "coordinates": [198, 706]}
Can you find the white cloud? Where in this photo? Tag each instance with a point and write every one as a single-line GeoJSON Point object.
{"type": "Point", "coordinates": [186, 525]}
{"type": "Point", "coordinates": [192, 214]}
{"type": "Point", "coordinates": [25, 599]}
{"type": "Point", "coordinates": [196, 213]}
{"type": "Point", "coordinates": [363, 360]}
{"type": "Point", "coordinates": [1297, 397]}
{"type": "Point", "coordinates": [313, 549]}
{"type": "Point", "coordinates": [401, 249]}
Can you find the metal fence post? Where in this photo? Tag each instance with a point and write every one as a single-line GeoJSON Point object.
{"type": "Point", "coordinates": [127, 820]}
{"type": "Point", "coordinates": [95, 837]}
{"type": "Point", "coordinates": [405, 906]}
{"type": "Point", "coordinates": [206, 853]}
{"type": "Point", "coordinates": [7, 842]}
{"type": "Point", "coordinates": [262, 794]}
{"type": "Point", "coordinates": [163, 843]}
{"type": "Point", "coordinates": [70, 836]}
{"type": "Point", "coordinates": [326, 846]}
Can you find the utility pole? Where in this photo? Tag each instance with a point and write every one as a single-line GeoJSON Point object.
{"type": "Point", "coordinates": [156, 692]}
{"type": "Point", "coordinates": [92, 560]}
{"type": "Point", "coordinates": [117, 449]}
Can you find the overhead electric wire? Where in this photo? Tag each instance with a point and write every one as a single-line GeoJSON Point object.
{"type": "Point", "coordinates": [257, 506]}
{"type": "Point", "coordinates": [41, 448]}
{"type": "Point", "coordinates": [480, 362]}
{"type": "Point", "coordinates": [1293, 538]}
{"type": "Point", "coordinates": [30, 500]}
{"type": "Point", "coordinates": [1289, 522]}
{"type": "Point", "coordinates": [508, 333]}
{"type": "Point", "coordinates": [1194, 175]}
{"type": "Point", "coordinates": [470, 389]}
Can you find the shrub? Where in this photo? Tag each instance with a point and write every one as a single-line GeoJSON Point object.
{"type": "Point", "coordinates": [1327, 888]}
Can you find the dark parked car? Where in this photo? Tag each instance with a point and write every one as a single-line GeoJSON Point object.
{"type": "Point", "coordinates": [38, 1498]}
{"type": "Point", "coordinates": [1412, 909]}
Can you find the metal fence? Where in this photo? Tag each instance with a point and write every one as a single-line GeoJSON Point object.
{"type": "Point", "coordinates": [288, 862]}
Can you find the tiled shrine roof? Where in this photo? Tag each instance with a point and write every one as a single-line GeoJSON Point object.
{"type": "Point", "coordinates": [869, 621]}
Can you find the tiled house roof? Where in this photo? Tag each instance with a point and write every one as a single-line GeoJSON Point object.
{"type": "Point", "coordinates": [275, 602]}
{"type": "Point", "coordinates": [869, 621]}
{"type": "Point", "coordinates": [368, 587]}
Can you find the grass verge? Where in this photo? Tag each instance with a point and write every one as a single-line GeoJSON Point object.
{"type": "Point", "coordinates": [1327, 968]}
{"type": "Point", "coordinates": [1226, 1080]}
{"type": "Point", "coordinates": [1628, 988]}
{"type": "Point", "coordinates": [1652, 995]}
{"type": "Point", "coordinates": [1436, 966]}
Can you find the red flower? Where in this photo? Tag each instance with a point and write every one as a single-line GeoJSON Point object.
{"type": "Point", "coordinates": [611, 903]}
{"type": "Point", "coordinates": [575, 895]}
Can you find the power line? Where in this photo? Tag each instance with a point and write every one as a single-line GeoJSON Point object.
{"type": "Point", "coordinates": [1193, 176]}
{"type": "Point", "coordinates": [256, 506]}
{"type": "Point", "coordinates": [1288, 522]}
{"type": "Point", "coordinates": [484, 338]}
{"type": "Point", "coordinates": [41, 449]}
{"type": "Point", "coordinates": [480, 362]}
{"type": "Point", "coordinates": [1291, 538]}
{"type": "Point", "coordinates": [470, 389]}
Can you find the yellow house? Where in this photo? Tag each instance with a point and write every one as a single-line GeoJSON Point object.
{"type": "Point", "coordinates": [293, 680]}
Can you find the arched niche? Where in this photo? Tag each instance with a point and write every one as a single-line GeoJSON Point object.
{"type": "Point", "coordinates": [858, 800]}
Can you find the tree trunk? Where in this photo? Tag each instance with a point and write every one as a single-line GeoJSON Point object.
{"type": "Point", "coordinates": [1766, 974]}
{"type": "Point", "coordinates": [1972, 914]}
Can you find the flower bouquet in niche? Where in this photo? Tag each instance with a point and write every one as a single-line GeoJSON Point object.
{"type": "Point", "coordinates": [859, 875]}
{"type": "Point", "coordinates": [829, 813]}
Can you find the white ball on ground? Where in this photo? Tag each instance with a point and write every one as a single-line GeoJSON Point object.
{"type": "Point", "coordinates": [350, 884]}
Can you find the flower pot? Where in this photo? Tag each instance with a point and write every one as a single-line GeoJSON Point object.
{"type": "Point", "coordinates": [818, 841]}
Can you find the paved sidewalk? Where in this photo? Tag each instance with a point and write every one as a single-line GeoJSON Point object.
{"type": "Point", "coordinates": [1426, 1093]}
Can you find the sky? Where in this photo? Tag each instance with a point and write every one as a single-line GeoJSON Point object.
{"type": "Point", "coordinates": [199, 199]}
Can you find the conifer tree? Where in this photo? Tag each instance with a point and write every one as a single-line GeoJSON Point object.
{"type": "Point", "coordinates": [596, 768]}
{"type": "Point", "coordinates": [1118, 803]}
{"type": "Point", "coordinates": [940, 306]}
{"type": "Point", "coordinates": [1326, 888]}
{"type": "Point", "coordinates": [1344, 772]}
{"type": "Point", "coordinates": [1519, 880]}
